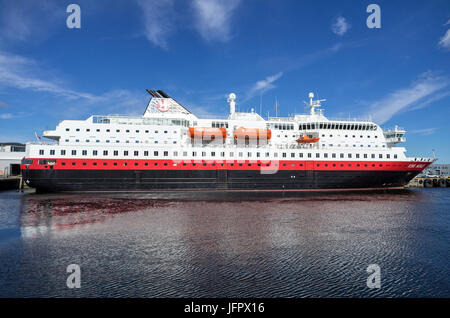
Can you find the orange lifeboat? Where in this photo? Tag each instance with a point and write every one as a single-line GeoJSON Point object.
{"type": "Point", "coordinates": [307, 140]}
{"type": "Point", "coordinates": [211, 133]}
{"type": "Point", "coordinates": [258, 133]}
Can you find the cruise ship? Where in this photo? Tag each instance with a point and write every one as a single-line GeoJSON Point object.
{"type": "Point", "coordinates": [168, 148]}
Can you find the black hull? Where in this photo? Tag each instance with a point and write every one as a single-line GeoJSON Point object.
{"type": "Point", "coordinates": [211, 180]}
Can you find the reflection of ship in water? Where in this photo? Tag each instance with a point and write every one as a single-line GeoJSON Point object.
{"type": "Point", "coordinates": [40, 215]}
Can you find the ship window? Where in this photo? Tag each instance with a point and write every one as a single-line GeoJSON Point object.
{"type": "Point", "coordinates": [63, 163]}
{"type": "Point", "coordinates": [395, 156]}
{"type": "Point", "coordinates": [184, 153]}
{"type": "Point", "coordinates": [78, 129]}
{"type": "Point", "coordinates": [84, 153]}
{"type": "Point", "coordinates": [52, 152]}
{"type": "Point", "coordinates": [136, 153]}
{"type": "Point", "coordinates": [156, 131]}
{"type": "Point", "coordinates": [194, 153]}
{"type": "Point", "coordinates": [74, 163]}
{"type": "Point", "coordinates": [325, 155]}
{"type": "Point", "coordinates": [125, 153]}
{"type": "Point", "coordinates": [105, 152]}
{"type": "Point", "coordinates": [146, 131]}
{"type": "Point", "coordinates": [333, 155]}
{"type": "Point", "coordinates": [222, 154]}
{"type": "Point", "coordinates": [166, 153]}
{"type": "Point", "coordinates": [117, 130]}
{"type": "Point", "coordinates": [156, 164]}
{"type": "Point", "coordinates": [388, 156]}
{"type": "Point", "coordinates": [373, 156]}
{"type": "Point", "coordinates": [349, 155]}
{"type": "Point", "coordinates": [365, 155]}
{"type": "Point", "coordinates": [74, 152]}
{"type": "Point", "coordinates": [203, 154]}
{"type": "Point", "coordinates": [341, 155]}
{"type": "Point", "coordinates": [128, 131]}
{"type": "Point", "coordinates": [63, 152]}
{"type": "Point", "coordinates": [292, 154]}
{"type": "Point", "coordinates": [107, 130]}
{"type": "Point", "coordinates": [94, 152]}
{"type": "Point", "coordinates": [240, 154]}
{"type": "Point", "coordinates": [301, 154]}
{"type": "Point", "coordinates": [137, 131]}
{"type": "Point", "coordinates": [77, 140]}
{"type": "Point", "coordinates": [135, 163]}
{"type": "Point", "coordinates": [98, 130]}
{"type": "Point", "coordinates": [231, 154]}
{"type": "Point", "coordinates": [97, 140]}
{"type": "Point", "coordinates": [249, 154]}
{"type": "Point", "coordinates": [357, 155]}
{"type": "Point", "coordinates": [381, 156]}
{"type": "Point", "coordinates": [116, 152]}
{"type": "Point", "coordinates": [67, 129]}
{"type": "Point", "coordinates": [124, 163]}
{"type": "Point", "coordinates": [284, 155]}
{"type": "Point", "coordinates": [146, 153]}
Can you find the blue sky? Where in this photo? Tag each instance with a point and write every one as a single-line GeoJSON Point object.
{"type": "Point", "coordinates": [199, 51]}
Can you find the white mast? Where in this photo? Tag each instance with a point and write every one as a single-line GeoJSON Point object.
{"type": "Point", "coordinates": [232, 101]}
{"type": "Point", "coordinates": [314, 103]}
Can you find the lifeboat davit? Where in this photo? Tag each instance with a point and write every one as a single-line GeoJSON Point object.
{"type": "Point", "coordinates": [209, 132]}
{"type": "Point", "coordinates": [251, 133]}
{"type": "Point", "coordinates": [307, 140]}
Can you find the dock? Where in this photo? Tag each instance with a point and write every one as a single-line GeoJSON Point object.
{"type": "Point", "coordinates": [10, 183]}
{"type": "Point", "coordinates": [429, 182]}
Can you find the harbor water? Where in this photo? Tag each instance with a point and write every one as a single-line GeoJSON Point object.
{"type": "Point", "coordinates": [295, 245]}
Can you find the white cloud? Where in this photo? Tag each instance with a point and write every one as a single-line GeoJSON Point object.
{"type": "Point", "coordinates": [448, 22]}
{"type": "Point", "coordinates": [22, 20]}
{"type": "Point", "coordinates": [263, 85]}
{"type": "Point", "coordinates": [22, 73]}
{"type": "Point", "coordinates": [402, 99]}
{"type": "Point", "coordinates": [424, 131]}
{"type": "Point", "coordinates": [445, 40]}
{"type": "Point", "coordinates": [6, 116]}
{"type": "Point", "coordinates": [159, 20]}
{"type": "Point", "coordinates": [214, 18]}
{"type": "Point", "coordinates": [340, 27]}
{"type": "Point", "coordinates": [16, 71]}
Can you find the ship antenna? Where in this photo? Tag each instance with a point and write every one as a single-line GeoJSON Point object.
{"type": "Point", "coordinates": [276, 106]}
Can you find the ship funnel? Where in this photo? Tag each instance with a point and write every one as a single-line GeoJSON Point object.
{"type": "Point", "coordinates": [232, 101]}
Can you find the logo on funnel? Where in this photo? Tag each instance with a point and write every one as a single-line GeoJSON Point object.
{"type": "Point", "coordinates": [163, 105]}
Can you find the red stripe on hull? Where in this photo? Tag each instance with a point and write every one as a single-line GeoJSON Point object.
{"type": "Point", "coordinates": [161, 164]}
